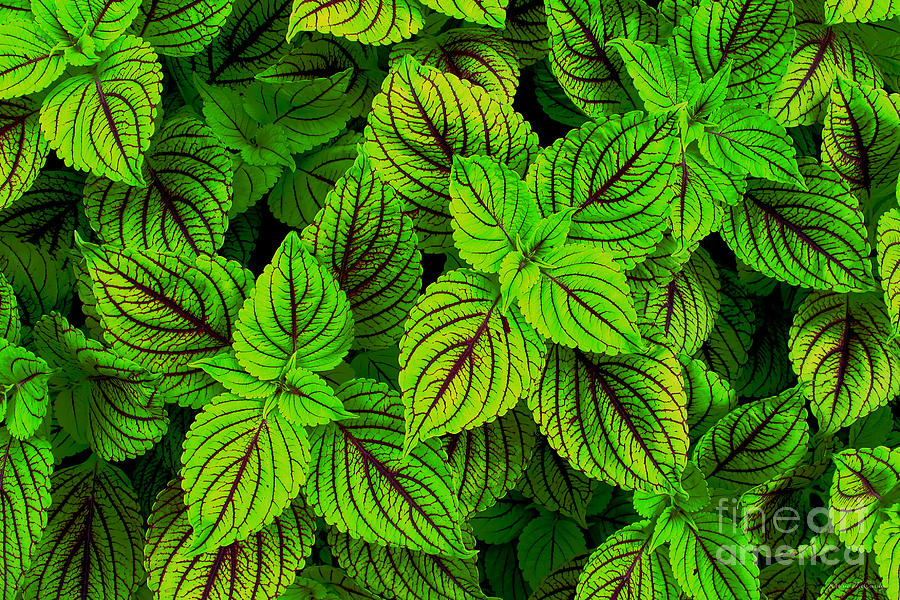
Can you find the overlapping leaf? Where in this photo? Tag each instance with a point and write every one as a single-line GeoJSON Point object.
{"type": "Point", "coordinates": [174, 29]}
{"type": "Point", "coordinates": [29, 62]}
{"type": "Point", "coordinates": [363, 483]}
{"type": "Point", "coordinates": [463, 361]}
{"type": "Point", "coordinates": [22, 148]}
{"type": "Point", "coordinates": [370, 248]}
{"type": "Point", "coordinates": [863, 481]}
{"type": "Point", "coordinates": [259, 567]}
{"type": "Point", "coordinates": [366, 21]}
{"type": "Point", "coordinates": [840, 350]}
{"type": "Point", "coordinates": [619, 419]}
{"type": "Point", "coordinates": [814, 238]}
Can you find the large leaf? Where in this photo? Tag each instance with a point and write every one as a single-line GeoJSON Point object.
{"type": "Point", "coordinates": [855, 580]}
{"type": "Point", "coordinates": [820, 55]}
{"type": "Point", "coordinates": [663, 80]}
{"type": "Point", "coordinates": [184, 207]}
{"type": "Point", "coordinates": [813, 238]}
{"type": "Point", "coordinates": [296, 316]}
{"type": "Point", "coordinates": [251, 39]}
{"type": "Point", "coordinates": [626, 565]}
{"type": "Point", "coordinates": [28, 61]}
{"type": "Point", "coordinates": [726, 349]}
{"type": "Point", "coordinates": [620, 419]}
{"type": "Point", "coordinates": [476, 54]}
{"type": "Point", "coordinates": [370, 248]}
{"type": "Point", "coordinates": [615, 173]}
{"type": "Point", "coordinates": [102, 399]}
{"type": "Point", "coordinates": [491, 209]}
{"type": "Point", "coordinates": [257, 568]}
{"type": "Point", "coordinates": [754, 37]}
{"type": "Point", "coordinates": [580, 301]}
{"type": "Point", "coordinates": [91, 547]}
{"type": "Point", "coordinates": [864, 482]}
{"type": "Point", "coordinates": [546, 543]}
{"type": "Point", "coordinates": [588, 70]}
{"type": "Point", "coordinates": [464, 362]}
{"type": "Point", "coordinates": [889, 262]}
{"type": "Point", "coordinates": [102, 121]}
{"type": "Point", "coordinates": [755, 441]}
{"type": "Point", "coordinates": [489, 461]}
{"type": "Point", "coordinates": [861, 137]}
{"type": "Point", "coordinates": [177, 29]}
{"type": "Point", "coordinates": [366, 21]}
{"type": "Point", "coordinates": [363, 483]}
{"type": "Point", "coordinates": [24, 399]}
{"type": "Point", "coordinates": [102, 21]}
{"type": "Point", "coordinates": [887, 551]}
{"type": "Point", "coordinates": [552, 482]}
{"type": "Point", "coordinates": [526, 30]}
{"type": "Point", "coordinates": [23, 149]}
{"type": "Point", "coordinates": [712, 563]}
{"type": "Point", "coordinates": [164, 312]}
{"type": "Point", "coordinates": [748, 140]}
{"type": "Point", "coordinates": [404, 574]}
{"type": "Point", "coordinates": [243, 464]}
{"type": "Point", "coordinates": [423, 118]}
{"type": "Point", "coordinates": [839, 348]}
{"type": "Point", "coordinates": [25, 468]}
{"type": "Point", "coordinates": [562, 582]}
{"type": "Point", "coordinates": [40, 281]}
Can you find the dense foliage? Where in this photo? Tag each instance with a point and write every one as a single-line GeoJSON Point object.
{"type": "Point", "coordinates": [449, 299]}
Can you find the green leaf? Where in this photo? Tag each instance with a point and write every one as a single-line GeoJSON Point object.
{"type": "Point", "coordinates": [422, 119]}
{"type": "Point", "coordinates": [476, 54]}
{"type": "Point", "coordinates": [295, 316]}
{"type": "Point", "coordinates": [562, 582]}
{"type": "Point", "coordinates": [102, 399]}
{"type": "Point", "coordinates": [552, 482]}
{"type": "Point", "coordinates": [626, 565]}
{"type": "Point", "coordinates": [813, 238]}
{"type": "Point", "coordinates": [483, 12]}
{"type": "Point", "coordinates": [500, 572]}
{"type": "Point", "coordinates": [661, 77]}
{"type": "Point", "coordinates": [684, 310]}
{"type": "Point", "coordinates": [23, 149]}
{"type": "Point", "coordinates": [405, 574]}
{"type": "Point", "coordinates": [581, 301]}
{"type": "Point", "coordinates": [840, 349]}
{"type": "Point", "coordinates": [251, 39]}
{"type": "Point", "coordinates": [726, 348]}
{"type": "Point", "coordinates": [844, 11]}
{"type": "Point", "coordinates": [25, 467]}
{"type": "Point", "coordinates": [490, 460]}
{"type": "Point", "coordinates": [364, 484]}
{"type": "Point", "coordinates": [457, 336]}
{"type": "Point", "coordinates": [854, 580]}
{"type": "Point", "coordinates": [755, 441]}
{"type": "Point", "coordinates": [91, 547]}
{"type": "Point", "coordinates": [864, 482]}
{"type": "Point", "coordinates": [503, 522]}
{"type": "Point", "coordinates": [300, 194]}
{"type": "Point", "coordinates": [176, 29]}
{"type": "Point", "coordinates": [889, 262]}
{"type": "Point", "coordinates": [260, 566]}
{"type": "Point", "coordinates": [491, 207]}
{"type": "Point", "coordinates": [40, 281]}
{"type": "Point", "coordinates": [545, 544]}
{"type": "Point", "coordinates": [10, 325]}
{"type": "Point", "coordinates": [48, 213]}
{"type": "Point", "coordinates": [887, 551]}
{"type": "Point", "coordinates": [366, 21]}
{"type": "Point", "coordinates": [821, 55]}
{"type": "Point", "coordinates": [243, 464]}
{"type": "Point", "coordinates": [615, 173]}
{"type": "Point", "coordinates": [369, 247]}
{"type": "Point", "coordinates": [102, 121]}
{"type": "Point", "coordinates": [861, 137]}
{"type": "Point", "coordinates": [700, 192]}
{"type": "Point", "coordinates": [24, 398]}
{"type": "Point", "coordinates": [526, 30]}
{"type": "Point", "coordinates": [709, 396]}
{"type": "Point", "coordinates": [553, 99]}
{"type": "Point", "coordinates": [28, 61]}
{"type": "Point", "coordinates": [748, 140]}
{"type": "Point", "coordinates": [184, 207]}
{"type": "Point", "coordinates": [754, 36]}
{"type": "Point", "coordinates": [588, 70]}
{"type": "Point", "coordinates": [103, 21]}
{"type": "Point", "coordinates": [337, 585]}
{"type": "Point", "coordinates": [763, 508]}
{"type": "Point", "coordinates": [618, 419]}
{"type": "Point", "coordinates": [164, 312]}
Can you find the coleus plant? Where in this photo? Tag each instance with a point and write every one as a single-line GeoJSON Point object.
{"type": "Point", "coordinates": [449, 299]}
